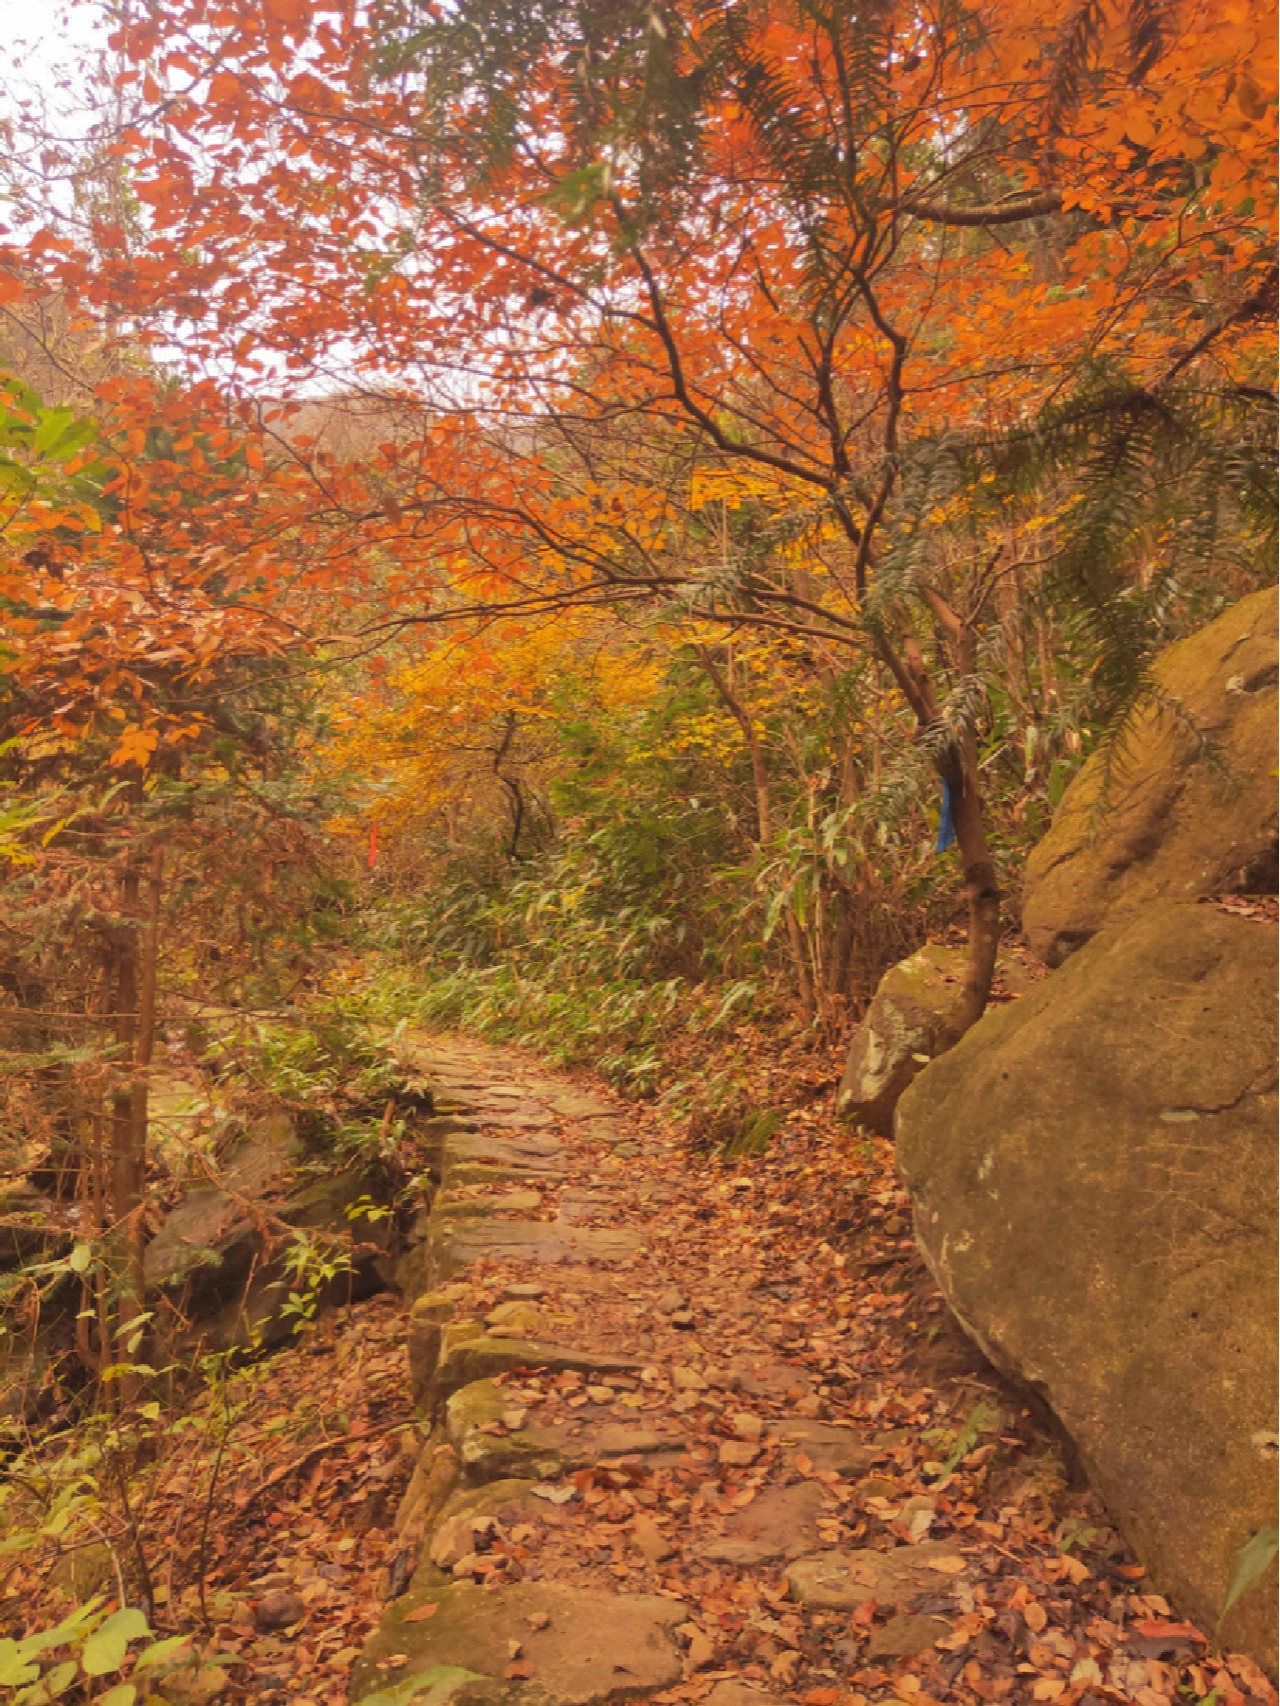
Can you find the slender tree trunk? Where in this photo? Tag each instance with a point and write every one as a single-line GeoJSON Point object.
{"type": "Point", "coordinates": [514, 791]}
{"type": "Point", "coordinates": [958, 768]}
{"type": "Point", "coordinates": [126, 1178]}
{"type": "Point", "coordinates": [143, 1049]}
{"type": "Point", "coordinates": [135, 1003]}
{"type": "Point", "coordinates": [764, 821]}
{"type": "Point", "coordinates": [840, 965]}
{"type": "Point", "coordinates": [982, 890]}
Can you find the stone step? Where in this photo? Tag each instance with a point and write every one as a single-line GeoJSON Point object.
{"type": "Point", "coordinates": [576, 1646]}
{"type": "Point", "coordinates": [522, 1447]}
{"type": "Point", "coordinates": [454, 1244]}
{"type": "Point", "coordinates": [472, 1625]}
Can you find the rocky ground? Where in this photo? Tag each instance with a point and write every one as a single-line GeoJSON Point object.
{"type": "Point", "coordinates": [672, 1429]}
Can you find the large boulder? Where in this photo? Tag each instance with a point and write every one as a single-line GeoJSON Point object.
{"type": "Point", "coordinates": [907, 1024]}
{"type": "Point", "coordinates": [900, 1033]}
{"type": "Point", "coordinates": [1093, 1169]}
{"type": "Point", "coordinates": [212, 1239]}
{"type": "Point", "coordinates": [216, 1260]}
{"type": "Point", "coordinates": [1186, 805]}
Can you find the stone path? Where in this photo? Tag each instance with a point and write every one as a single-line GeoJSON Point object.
{"type": "Point", "coordinates": [596, 1439]}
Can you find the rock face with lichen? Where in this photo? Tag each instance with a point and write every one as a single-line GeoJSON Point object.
{"type": "Point", "coordinates": [900, 1033]}
{"type": "Point", "coordinates": [1185, 807]}
{"type": "Point", "coordinates": [1094, 1175]}
{"type": "Point", "coordinates": [212, 1256]}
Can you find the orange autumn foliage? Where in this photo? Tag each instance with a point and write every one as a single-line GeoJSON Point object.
{"type": "Point", "coordinates": [604, 252]}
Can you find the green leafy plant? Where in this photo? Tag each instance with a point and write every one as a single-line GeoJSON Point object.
{"type": "Point", "coordinates": [983, 1418]}
{"type": "Point", "coordinates": [312, 1263]}
{"type": "Point", "coordinates": [1252, 1563]}
{"type": "Point", "coordinates": [431, 1687]}
{"type": "Point", "coordinates": [98, 1641]}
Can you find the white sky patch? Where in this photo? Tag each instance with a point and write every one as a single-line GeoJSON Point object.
{"type": "Point", "coordinates": [43, 49]}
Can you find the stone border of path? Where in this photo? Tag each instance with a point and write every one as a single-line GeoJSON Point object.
{"type": "Point", "coordinates": [487, 1474]}
{"type": "Point", "coordinates": [495, 1145]}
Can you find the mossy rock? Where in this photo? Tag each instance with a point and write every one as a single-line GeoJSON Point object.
{"type": "Point", "coordinates": [586, 1646]}
{"type": "Point", "coordinates": [540, 1452]}
{"type": "Point", "coordinates": [900, 1033]}
{"type": "Point", "coordinates": [483, 1357]}
{"type": "Point", "coordinates": [1186, 806]}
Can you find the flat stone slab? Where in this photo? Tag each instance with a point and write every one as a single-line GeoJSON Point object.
{"type": "Point", "coordinates": [580, 1105]}
{"type": "Point", "coordinates": [741, 1694]}
{"type": "Point", "coordinates": [474, 1415]}
{"type": "Point", "coordinates": [483, 1358]}
{"type": "Point", "coordinates": [779, 1522]}
{"type": "Point", "coordinates": [621, 1439]}
{"type": "Point", "coordinates": [836, 1451]}
{"type": "Point", "coordinates": [455, 1245]}
{"type": "Point", "coordinates": [518, 1119]}
{"type": "Point", "coordinates": [476, 1173]}
{"type": "Point", "coordinates": [584, 1645]}
{"type": "Point", "coordinates": [608, 1128]}
{"type": "Point", "coordinates": [451, 1206]}
{"type": "Point", "coordinates": [578, 1206]}
{"type": "Point", "coordinates": [770, 1377]}
{"type": "Point", "coordinates": [514, 1155]}
{"type": "Point", "coordinates": [902, 1636]}
{"type": "Point", "coordinates": [436, 1127]}
{"type": "Point", "coordinates": [841, 1581]}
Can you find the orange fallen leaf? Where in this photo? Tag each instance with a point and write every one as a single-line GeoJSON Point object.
{"type": "Point", "coordinates": [420, 1613]}
{"type": "Point", "coordinates": [1035, 1616]}
{"type": "Point", "coordinates": [1155, 1626]}
{"type": "Point", "coordinates": [519, 1670]}
{"type": "Point", "coordinates": [821, 1697]}
{"type": "Point", "coordinates": [865, 1613]}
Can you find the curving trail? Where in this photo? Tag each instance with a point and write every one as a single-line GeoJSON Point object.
{"type": "Point", "coordinates": [700, 1432]}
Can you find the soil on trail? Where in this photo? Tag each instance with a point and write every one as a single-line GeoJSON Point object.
{"type": "Point", "coordinates": [687, 1429]}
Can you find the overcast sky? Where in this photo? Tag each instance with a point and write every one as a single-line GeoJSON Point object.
{"type": "Point", "coordinates": [41, 43]}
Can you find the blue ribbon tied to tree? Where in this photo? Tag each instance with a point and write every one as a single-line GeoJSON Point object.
{"type": "Point", "coordinates": [946, 823]}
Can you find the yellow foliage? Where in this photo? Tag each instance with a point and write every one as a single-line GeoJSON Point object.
{"type": "Point", "coordinates": [436, 726]}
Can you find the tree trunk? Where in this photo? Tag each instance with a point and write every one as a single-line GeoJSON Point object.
{"type": "Point", "coordinates": [126, 1175]}
{"type": "Point", "coordinates": [764, 822]}
{"type": "Point", "coordinates": [135, 1006]}
{"type": "Point", "coordinates": [981, 889]}
{"type": "Point", "coordinates": [958, 768]}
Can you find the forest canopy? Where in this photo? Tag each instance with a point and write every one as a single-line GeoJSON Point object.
{"type": "Point", "coordinates": [644, 507]}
